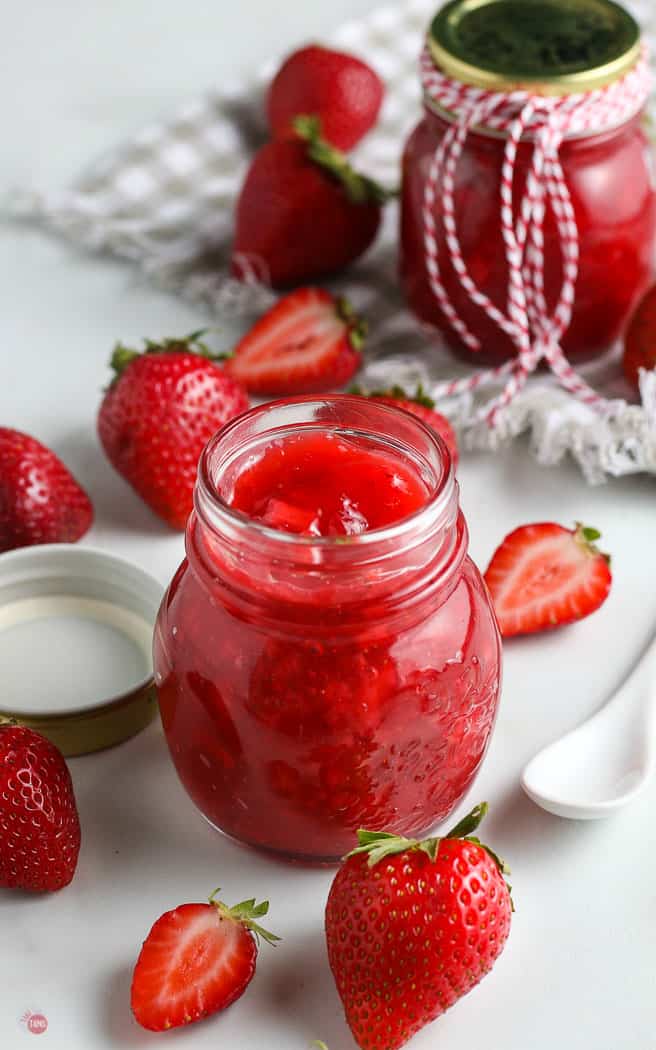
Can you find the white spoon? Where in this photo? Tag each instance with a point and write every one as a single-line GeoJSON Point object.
{"type": "Point", "coordinates": [606, 761]}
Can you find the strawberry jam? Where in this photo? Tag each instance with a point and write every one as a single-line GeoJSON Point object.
{"type": "Point", "coordinates": [322, 484]}
{"type": "Point", "coordinates": [326, 656]}
{"type": "Point", "coordinates": [549, 48]}
{"type": "Point", "coordinates": [611, 184]}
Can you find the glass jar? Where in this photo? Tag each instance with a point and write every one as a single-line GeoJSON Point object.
{"type": "Point", "coordinates": [610, 178]}
{"type": "Point", "coordinates": [310, 686]}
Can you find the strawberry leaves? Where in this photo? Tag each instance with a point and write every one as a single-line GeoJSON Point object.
{"type": "Point", "coordinates": [122, 355]}
{"type": "Point", "coordinates": [360, 189]}
{"type": "Point", "coordinates": [377, 845]}
{"type": "Point", "coordinates": [247, 912]}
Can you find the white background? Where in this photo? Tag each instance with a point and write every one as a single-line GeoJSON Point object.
{"type": "Point", "coordinates": [578, 972]}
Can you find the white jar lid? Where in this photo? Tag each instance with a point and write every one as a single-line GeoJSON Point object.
{"type": "Point", "coordinates": [76, 630]}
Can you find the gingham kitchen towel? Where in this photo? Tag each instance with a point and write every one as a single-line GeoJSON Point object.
{"type": "Point", "coordinates": [165, 200]}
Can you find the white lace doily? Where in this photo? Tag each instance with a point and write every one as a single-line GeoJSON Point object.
{"type": "Point", "coordinates": [165, 201]}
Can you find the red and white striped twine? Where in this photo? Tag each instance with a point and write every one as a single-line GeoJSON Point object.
{"type": "Point", "coordinates": [547, 120]}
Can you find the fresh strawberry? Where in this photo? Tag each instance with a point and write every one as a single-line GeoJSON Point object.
{"type": "Point", "coordinates": [158, 414]}
{"type": "Point", "coordinates": [196, 960]}
{"type": "Point", "coordinates": [640, 339]}
{"type": "Point", "coordinates": [422, 406]}
{"type": "Point", "coordinates": [341, 90]}
{"type": "Point", "coordinates": [303, 212]}
{"type": "Point", "coordinates": [39, 825]}
{"type": "Point", "coordinates": [411, 927]}
{"type": "Point", "coordinates": [40, 500]}
{"type": "Point", "coordinates": [308, 342]}
{"type": "Point", "coordinates": [544, 575]}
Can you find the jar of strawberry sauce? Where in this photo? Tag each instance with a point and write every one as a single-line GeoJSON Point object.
{"type": "Point", "coordinates": [326, 656]}
{"type": "Point", "coordinates": [547, 49]}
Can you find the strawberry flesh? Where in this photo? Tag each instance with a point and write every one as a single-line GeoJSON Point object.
{"type": "Point", "coordinates": [280, 515]}
{"type": "Point", "coordinates": [306, 343]}
{"type": "Point", "coordinates": [543, 576]}
{"type": "Point", "coordinates": [194, 962]}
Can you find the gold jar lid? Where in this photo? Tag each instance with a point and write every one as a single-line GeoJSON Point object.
{"type": "Point", "coordinates": [76, 629]}
{"type": "Point", "coordinates": [553, 47]}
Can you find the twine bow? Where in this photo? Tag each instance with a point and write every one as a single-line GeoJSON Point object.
{"type": "Point", "coordinates": [535, 331]}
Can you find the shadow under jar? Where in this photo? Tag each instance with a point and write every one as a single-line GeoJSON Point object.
{"type": "Point", "coordinates": [311, 685]}
{"type": "Point", "coordinates": [551, 48]}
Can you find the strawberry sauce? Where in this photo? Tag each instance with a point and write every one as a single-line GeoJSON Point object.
{"type": "Point", "coordinates": [326, 657]}
{"type": "Point", "coordinates": [326, 485]}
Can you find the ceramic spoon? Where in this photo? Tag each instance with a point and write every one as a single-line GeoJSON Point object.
{"type": "Point", "coordinates": [606, 761]}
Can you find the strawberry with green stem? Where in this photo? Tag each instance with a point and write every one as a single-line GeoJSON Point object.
{"type": "Point", "coordinates": [160, 410]}
{"type": "Point", "coordinates": [411, 926]}
{"type": "Point", "coordinates": [303, 212]}
{"type": "Point", "coordinates": [196, 961]}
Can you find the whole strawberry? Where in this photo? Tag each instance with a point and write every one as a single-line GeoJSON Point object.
{"type": "Point", "coordinates": [308, 342]}
{"type": "Point", "coordinates": [303, 212]}
{"type": "Point", "coordinates": [340, 89]}
{"type": "Point", "coordinates": [196, 960]}
{"type": "Point", "coordinates": [40, 500]}
{"type": "Point", "coordinates": [39, 825]}
{"type": "Point", "coordinates": [158, 414]}
{"type": "Point", "coordinates": [422, 406]}
{"type": "Point", "coordinates": [640, 339]}
{"type": "Point", "coordinates": [413, 926]}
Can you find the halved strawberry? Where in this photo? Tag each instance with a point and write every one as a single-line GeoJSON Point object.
{"type": "Point", "coordinates": [544, 575]}
{"type": "Point", "coordinates": [307, 343]}
{"type": "Point", "coordinates": [420, 405]}
{"type": "Point", "coordinates": [196, 960]}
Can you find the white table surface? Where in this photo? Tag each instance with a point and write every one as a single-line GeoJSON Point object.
{"type": "Point", "coordinates": [578, 972]}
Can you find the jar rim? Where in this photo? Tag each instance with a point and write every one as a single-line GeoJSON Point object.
{"type": "Point", "coordinates": [215, 511]}
{"type": "Point", "coordinates": [453, 47]}
{"type": "Point", "coordinates": [451, 117]}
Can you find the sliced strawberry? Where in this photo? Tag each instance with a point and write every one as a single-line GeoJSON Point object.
{"type": "Point", "coordinates": [196, 960]}
{"type": "Point", "coordinates": [544, 575]}
{"type": "Point", "coordinates": [281, 515]}
{"type": "Point", "coordinates": [307, 343]}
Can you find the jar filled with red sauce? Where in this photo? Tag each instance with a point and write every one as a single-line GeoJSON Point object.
{"type": "Point", "coordinates": [552, 47]}
{"type": "Point", "coordinates": [326, 656]}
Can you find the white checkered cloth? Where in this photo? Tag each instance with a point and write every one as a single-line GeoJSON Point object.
{"type": "Point", "coordinates": [165, 200]}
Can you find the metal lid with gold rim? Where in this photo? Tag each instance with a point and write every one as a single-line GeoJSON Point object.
{"type": "Point", "coordinates": [555, 47]}
{"type": "Point", "coordinates": [76, 629]}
